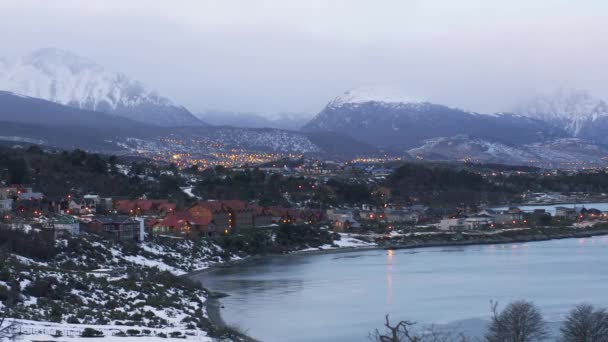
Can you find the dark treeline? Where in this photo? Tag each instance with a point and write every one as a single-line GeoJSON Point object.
{"type": "Point", "coordinates": [270, 188]}
{"type": "Point", "coordinates": [286, 238]}
{"type": "Point", "coordinates": [58, 174]}
{"type": "Point", "coordinates": [444, 185]}
{"type": "Point", "coordinates": [441, 184]}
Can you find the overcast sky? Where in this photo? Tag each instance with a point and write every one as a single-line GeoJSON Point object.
{"type": "Point", "coordinates": [295, 56]}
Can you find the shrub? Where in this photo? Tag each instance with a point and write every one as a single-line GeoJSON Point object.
{"type": "Point", "coordinates": [162, 335]}
{"type": "Point", "coordinates": [175, 334]}
{"type": "Point", "coordinates": [90, 332]}
{"type": "Point", "coordinates": [133, 332]}
{"type": "Point", "coordinates": [73, 320]}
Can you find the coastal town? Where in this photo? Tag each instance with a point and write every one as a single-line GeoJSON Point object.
{"type": "Point", "coordinates": [133, 219]}
{"type": "Point", "coordinates": [89, 241]}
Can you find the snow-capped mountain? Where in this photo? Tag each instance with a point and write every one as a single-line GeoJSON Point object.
{"type": "Point", "coordinates": [393, 121]}
{"type": "Point", "coordinates": [65, 78]}
{"type": "Point", "coordinates": [574, 110]}
{"type": "Point", "coordinates": [389, 96]}
{"type": "Point", "coordinates": [566, 152]}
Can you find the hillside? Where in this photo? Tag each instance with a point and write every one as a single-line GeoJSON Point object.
{"type": "Point", "coordinates": [63, 77]}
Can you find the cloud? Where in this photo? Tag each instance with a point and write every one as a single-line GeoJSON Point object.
{"type": "Point", "coordinates": [277, 56]}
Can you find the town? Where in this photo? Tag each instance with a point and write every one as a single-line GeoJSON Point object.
{"type": "Point", "coordinates": [89, 236]}
{"type": "Point", "coordinates": [360, 197]}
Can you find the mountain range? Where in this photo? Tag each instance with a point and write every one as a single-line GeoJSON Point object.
{"type": "Point", "coordinates": [567, 127]}
{"type": "Point", "coordinates": [26, 120]}
{"type": "Point", "coordinates": [57, 98]}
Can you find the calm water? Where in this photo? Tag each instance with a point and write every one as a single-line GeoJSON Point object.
{"type": "Point", "coordinates": [342, 297]}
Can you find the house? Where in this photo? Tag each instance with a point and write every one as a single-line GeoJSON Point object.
{"type": "Point", "coordinates": [590, 214]}
{"type": "Point", "coordinates": [30, 195]}
{"type": "Point", "coordinates": [342, 219]}
{"type": "Point", "coordinates": [143, 206]}
{"type": "Point", "coordinates": [186, 222]}
{"type": "Point", "coordinates": [220, 217]}
{"type": "Point", "coordinates": [97, 203]}
{"type": "Point", "coordinates": [401, 216]}
{"type": "Point", "coordinates": [116, 227]}
{"type": "Point", "coordinates": [452, 224]}
{"type": "Point", "coordinates": [66, 224]}
{"type": "Point", "coordinates": [241, 214]}
{"type": "Point", "coordinates": [262, 217]}
{"type": "Point", "coordinates": [478, 222]}
{"type": "Point", "coordinates": [466, 223]}
{"type": "Point", "coordinates": [513, 215]}
{"type": "Point", "coordinates": [566, 213]}
{"type": "Point", "coordinates": [81, 206]}
{"type": "Point", "coordinates": [205, 218]}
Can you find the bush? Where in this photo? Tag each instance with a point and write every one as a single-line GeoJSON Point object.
{"type": "Point", "coordinates": [73, 320]}
{"type": "Point", "coordinates": [175, 334]}
{"type": "Point", "coordinates": [133, 332]}
{"type": "Point", "coordinates": [162, 335]}
{"type": "Point", "coordinates": [146, 332]}
{"type": "Point", "coordinates": [90, 332]}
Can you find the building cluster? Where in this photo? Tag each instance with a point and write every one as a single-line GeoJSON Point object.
{"type": "Point", "coordinates": [132, 219]}
{"type": "Point", "coordinates": [212, 218]}
{"type": "Point", "coordinates": [515, 217]}
{"type": "Point", "coordinates": [392, 215]}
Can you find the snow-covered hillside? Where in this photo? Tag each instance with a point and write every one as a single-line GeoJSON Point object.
{"type": "Point", "coordinates": [63, 77]}
{"type": "Point", "coordinates": [571, 152]}
{"type": "Point", "coordinates": [388, 119]}
{"type": "Point", "coordinates": [571, 109]}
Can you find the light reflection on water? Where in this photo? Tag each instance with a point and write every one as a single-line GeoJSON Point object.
{"type": "Point", "coordinates": [305, 297]}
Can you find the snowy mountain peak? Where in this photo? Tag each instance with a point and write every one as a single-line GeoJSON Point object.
{"type": "Point", "coordinates": [381, 94]}
{"type": "Point", "coordinates": [66, 78]}
{"type": "Point", "coordinates": [572, 109]}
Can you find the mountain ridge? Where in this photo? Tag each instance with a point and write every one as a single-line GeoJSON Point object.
{"type": "Point", "coordinates": [63, 77]}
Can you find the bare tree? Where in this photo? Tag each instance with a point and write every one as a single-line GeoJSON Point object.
{"type": "Point", "coordinates": [402, 332]}
{"type": "Point", "coordinates": [394, 333]}
{"type": "Point", "coordinates": [8, 330]}
{"type": "Point", "coordinates": [585, 324]}
{"type": "Point", "coordinates": [520, 321]}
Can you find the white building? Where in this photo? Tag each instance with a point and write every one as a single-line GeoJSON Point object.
{"type": "Point", "coordinates": [465, 223]}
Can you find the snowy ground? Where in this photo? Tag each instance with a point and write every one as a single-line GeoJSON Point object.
{"type": "Point", "coordinates": [346, 241]}
{"type": "Point", "coordinates": [188, 191]}
{"type": "Point", "coordinates": [46, 331]}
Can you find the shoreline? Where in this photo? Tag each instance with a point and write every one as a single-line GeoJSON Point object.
{"type": "Point", "coordinates": [213, 303]}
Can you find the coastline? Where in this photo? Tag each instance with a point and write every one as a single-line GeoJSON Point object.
{"type": "Point", "coordinates": [213, 303]}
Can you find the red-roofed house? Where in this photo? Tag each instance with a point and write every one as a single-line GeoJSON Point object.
{"type": "Point", "coordinates": [143, 206]}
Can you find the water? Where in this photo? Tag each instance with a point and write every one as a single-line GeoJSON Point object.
{"type": "Point", "coordinates": [550, 208]}
{"type": "Point", "coordinates": [342, 297]}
